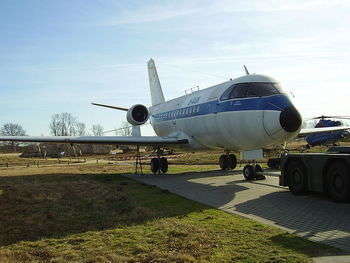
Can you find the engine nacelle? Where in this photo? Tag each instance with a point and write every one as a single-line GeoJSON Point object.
{"type": "Point", "coordinates": [137, 114]}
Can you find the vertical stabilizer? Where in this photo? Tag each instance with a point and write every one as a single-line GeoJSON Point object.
{"type": "Point", "coordinates": [157, 96]}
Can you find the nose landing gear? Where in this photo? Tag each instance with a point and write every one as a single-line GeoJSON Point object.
{"type": "Point", "coordinates": [228, 162]}
{"type": "Point", "coordinates": [253, 172]}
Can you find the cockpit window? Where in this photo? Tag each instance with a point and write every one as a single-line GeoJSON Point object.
{"type": "Point", "coordinates": [251, 89]}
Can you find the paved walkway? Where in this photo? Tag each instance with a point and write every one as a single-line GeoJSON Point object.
{"type": "Point", "coordinates": [314, 217]}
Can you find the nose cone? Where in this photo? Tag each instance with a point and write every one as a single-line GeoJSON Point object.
{"type": "Point", "coordinates": [290, 119]}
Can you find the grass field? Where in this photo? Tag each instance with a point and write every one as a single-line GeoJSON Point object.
{"type": "Point", "coordinates": [91, 213]}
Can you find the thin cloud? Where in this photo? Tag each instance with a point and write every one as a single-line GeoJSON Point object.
{"type": "Point", "coordinates": [159, 13]}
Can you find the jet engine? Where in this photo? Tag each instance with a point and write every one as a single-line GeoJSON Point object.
{"type": "Point", "coordinates": [137, 114]}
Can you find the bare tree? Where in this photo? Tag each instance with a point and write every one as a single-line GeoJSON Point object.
{"type": "Point", "coordinates": [80, 129]}
{"type": "Point", "coordinates": [65, 124]}
{"type": "Point", "coordinates": [12, 129]}
{"type": "Point", "coordinates": [124, 130]}
{"type": "Point", "coordinates": [97, 130]}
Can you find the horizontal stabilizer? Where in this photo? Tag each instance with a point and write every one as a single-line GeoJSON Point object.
{"type": "Point", "coordinates": [121, 140]}
{"type": "Point", "coordinates": [109, 106]}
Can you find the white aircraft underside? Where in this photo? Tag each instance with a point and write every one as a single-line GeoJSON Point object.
{"type": "Point", "coordinates": [216, 117]}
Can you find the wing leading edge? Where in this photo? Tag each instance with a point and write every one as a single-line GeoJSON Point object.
{"type": "Point", "coordinates": [122, 140]}
{"type": "Point", "coordinates": [305, 132]}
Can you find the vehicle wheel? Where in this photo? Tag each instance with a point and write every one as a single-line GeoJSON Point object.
{"type": "Point", "coordinates": [155, 165]}
{"type": "Point", "coordinates": [259, 169]}
{"type": "Point", "coordinates": [297, 178]}
{"type": "Point", "coordinates": [225, 162]}
{"type": "Point", "coordinates": [233, 160]}
{"type": "Point", "coordinates": [163, 165]}
{"type": "Point", "coordinates": [249, 172]}
{"type": "Point", "coordinates": [339, 182]}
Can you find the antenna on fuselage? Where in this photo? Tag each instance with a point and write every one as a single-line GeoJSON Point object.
{"type": "Point", "coordinates": [246, 70]}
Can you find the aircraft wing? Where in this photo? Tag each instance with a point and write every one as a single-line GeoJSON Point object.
{"type": "Point", "coordinates": [121, 140]}
{"type": "Point", "coordinates": [309, 131]}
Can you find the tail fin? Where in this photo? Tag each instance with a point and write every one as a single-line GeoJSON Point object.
{"type": "Point", "coordinates": [157, 96]}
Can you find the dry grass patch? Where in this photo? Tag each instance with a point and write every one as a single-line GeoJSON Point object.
{"type": "Point", "coordinates": [91, 213]}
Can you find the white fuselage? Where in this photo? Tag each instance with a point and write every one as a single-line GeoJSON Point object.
{"type": "Point", "coordinates": [210, 119]}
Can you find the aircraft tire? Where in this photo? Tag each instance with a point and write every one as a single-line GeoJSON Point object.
{"type": "Point", "coordinates": [249, 172]}
{"type": "Point", "coordinates": [338, 182]}
{"type": "Point", "coordinates": [164, 165]}
{"type": "Point", "coordinates": [297, 177]}
{"type": "Point", "coordinates": [155, 165]}
{"type": "Point", "coordinates": [233, 160]}
{"type": "Point", "coordinates": [225, 162]}
{"type": "Point", "coordinates": [258, 169]}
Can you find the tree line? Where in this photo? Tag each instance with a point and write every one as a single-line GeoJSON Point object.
{"type": "Point", "coordinates": [65, 124]}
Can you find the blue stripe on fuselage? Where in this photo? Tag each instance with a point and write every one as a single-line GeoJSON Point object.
{"type": "Point", "coordinates": [275, 102]}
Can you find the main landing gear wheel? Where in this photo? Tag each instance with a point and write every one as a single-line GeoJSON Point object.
{"type": "Point", "coordinates": [251, 172]}
{"type": "Point", "coordinates": [159, 165]}
{"type": "Point", "coordinates": [228, 162]}
{"type": "Point", "coordinates": [155, 165]}
{"type": "Point", "coordinates": [233, 161]}
{"type": "Point", "coordinates": [164, 165]}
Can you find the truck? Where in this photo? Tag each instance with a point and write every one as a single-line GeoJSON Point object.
{"type": "Point", "coordinates": [327, 173]}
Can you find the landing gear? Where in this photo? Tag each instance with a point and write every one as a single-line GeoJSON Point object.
{"type": "Point", "coordinates": [159, 165]}
{"type": "Point", "coordinates": [228, 162]}
{"type": "Point", "coordinates": [163, 165]}
{"type": "Point", "coordinates": [248, 172]}
{"type": "Point", "coordinates": [253, 172]}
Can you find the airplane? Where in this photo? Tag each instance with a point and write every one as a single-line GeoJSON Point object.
{"type": "Point", "coordinates": [244, 114]}
{"type": "Point", "coordinates": [327, 138]}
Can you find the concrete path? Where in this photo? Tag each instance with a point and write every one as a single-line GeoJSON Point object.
{"type": "Point", "coordinates": [312, 216]}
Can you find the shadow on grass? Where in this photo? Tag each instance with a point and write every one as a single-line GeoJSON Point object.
{"type": "Point", "coordinates": [55, 205]}
{"type": "Point", "coordinates": [305, 246]}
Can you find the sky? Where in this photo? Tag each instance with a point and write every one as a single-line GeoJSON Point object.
{"type": "Point", "coordinates": [59, 56]}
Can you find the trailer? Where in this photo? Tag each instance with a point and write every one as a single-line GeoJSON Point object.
{"type": "Point", "coordinates": [327, 173]}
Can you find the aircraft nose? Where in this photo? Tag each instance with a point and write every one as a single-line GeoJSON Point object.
{"type": "Point", "coordinates": [290, 119]}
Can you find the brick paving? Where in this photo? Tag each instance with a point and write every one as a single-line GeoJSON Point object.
{"type": "Point", "coordinates": [311, 216]}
